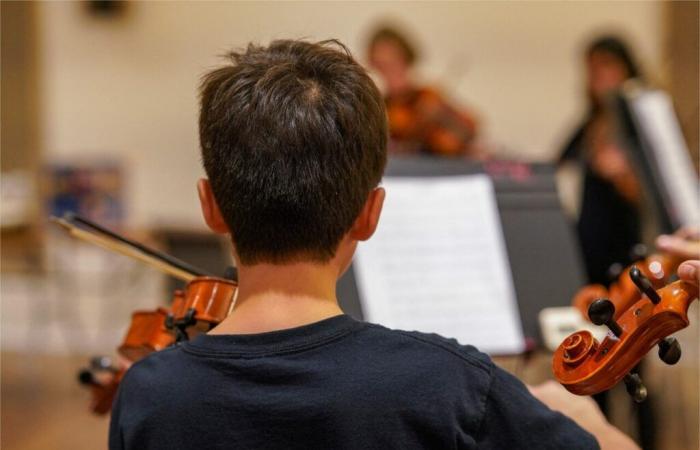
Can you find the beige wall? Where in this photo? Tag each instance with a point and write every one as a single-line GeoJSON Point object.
{"type": "Point", "coordinates": [127, 87]}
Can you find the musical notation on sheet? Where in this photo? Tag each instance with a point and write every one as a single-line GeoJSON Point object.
{"type": "Point", "coordinates": [438, 263]}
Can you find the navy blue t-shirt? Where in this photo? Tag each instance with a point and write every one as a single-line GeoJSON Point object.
{"type": "Point", "coordinates": [334, 384]}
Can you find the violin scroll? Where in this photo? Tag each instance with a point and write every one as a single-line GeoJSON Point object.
{"type": "Point", "coordinates": [585, 366]}
{"type": "Point", "coordinates": [103, 378]}
{"type": "Point", "coordinates": [577, 347]}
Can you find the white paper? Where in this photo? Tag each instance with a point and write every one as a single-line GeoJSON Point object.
{"type": "Point", "coordinates": [654, 111]}
{"type": "Point", "coordinates": [438, 263]}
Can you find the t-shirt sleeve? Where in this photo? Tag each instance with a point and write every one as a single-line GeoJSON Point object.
{"type": "Point", "coordinates": [116, 441]}
{"type": "Point", "coordinates": [515, 419]}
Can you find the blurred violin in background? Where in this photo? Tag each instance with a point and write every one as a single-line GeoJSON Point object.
{"type": "Point", "coordinates": [205, 302]}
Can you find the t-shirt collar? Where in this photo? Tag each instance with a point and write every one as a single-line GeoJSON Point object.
{"type": "Point", "coordinates": [280, 341]}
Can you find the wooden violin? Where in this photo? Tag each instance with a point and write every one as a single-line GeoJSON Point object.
{"type": "Point", "coordinates": [585, 366]}
{"type": "Point", "coordinates": [657, 268]}
{"type": "Point", "coordinates": [205, 302]}
{"type": "Point", "coordinates": [423, 116]}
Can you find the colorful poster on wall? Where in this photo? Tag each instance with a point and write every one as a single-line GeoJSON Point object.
{"type": "Point", "coordinates": [93, 190]}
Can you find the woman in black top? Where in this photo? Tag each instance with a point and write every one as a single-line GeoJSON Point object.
{"type": "Point", "coordinates": [609, 223]}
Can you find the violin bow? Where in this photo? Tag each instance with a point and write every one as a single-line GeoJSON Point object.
{"type": "Point", "coordinates": [102, 237]}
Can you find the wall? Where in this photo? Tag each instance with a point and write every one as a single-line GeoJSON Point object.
{"type": "Point", "coordinates": [127, 86]}
{"type": "Point", "coordinates": [18, 83]}
{"type": "Point", "coordinates": [683, 52]}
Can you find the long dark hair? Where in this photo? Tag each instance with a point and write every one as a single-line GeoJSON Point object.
{"type": "Point", "coordinates": [616, 47]}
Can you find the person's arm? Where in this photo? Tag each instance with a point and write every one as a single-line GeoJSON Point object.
{"type": "Point", "coordinates": [514, 418]}
{"type": "Point", "coordinates": [583, 411]}
{"type": "Point", "coordinates": [610, 163]}
{"type": "Point", "coordinates": [684, 243]}
{"type": "Point", "coordinates": [573, 147]}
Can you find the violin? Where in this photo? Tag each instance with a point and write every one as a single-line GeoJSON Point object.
{"type": "Point", "coordinates": [657, 268]}
{"type": "Point", "coordinates": [585, 366]}
{"type": "Point", "coordinates": [204, 303]}
{"type": "Point", "coordinates": [423, 116]}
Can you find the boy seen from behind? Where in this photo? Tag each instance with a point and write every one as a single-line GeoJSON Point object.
{"type": "Point", "coordinates": [293, 140]}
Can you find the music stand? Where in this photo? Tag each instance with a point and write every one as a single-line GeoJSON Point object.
{"type": "Point", "coordinates": [544, 258]}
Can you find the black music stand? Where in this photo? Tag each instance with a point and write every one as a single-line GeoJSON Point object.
{"type": "Point", "coordinates": [542, 250]}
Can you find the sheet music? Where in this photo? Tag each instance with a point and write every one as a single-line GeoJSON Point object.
{"type": "Point", "coordinates": [438, 263]}
{"type": "Point", "coordinates": [655, 113]}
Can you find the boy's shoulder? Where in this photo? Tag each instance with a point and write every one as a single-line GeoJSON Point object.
{"type": "Point", "coordinates": [383, 369]}
{"type": "Point", "coordinates": [371, 339]}
{"type": "Point", "coordinates": [434, 346]}
{"type": "Point", "coordinates": [378, 349]}
{"type": "Point", "coordinates": [345, 368]}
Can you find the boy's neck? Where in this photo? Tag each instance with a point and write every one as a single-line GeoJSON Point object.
{"type": "Point", "coordinates": [276, 297]}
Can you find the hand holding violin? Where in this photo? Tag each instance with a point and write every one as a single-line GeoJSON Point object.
{"type": "Point", "coordinates": [690, 271]}
{"type": "Point", "coordinates": [585, 412]}
{"type": "Point", "coordinates": [684, 243]}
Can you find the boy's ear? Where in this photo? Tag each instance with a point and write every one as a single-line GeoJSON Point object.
{"type": "Point", "coordinates": [210, 209]}
{"type": "Point", "coordinates": [366, 223]}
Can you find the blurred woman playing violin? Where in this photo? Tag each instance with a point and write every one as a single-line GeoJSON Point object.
{"type": "Point", "coordinates": [609, 223]}
{"type": "Point", "coordinates": [420, 119]}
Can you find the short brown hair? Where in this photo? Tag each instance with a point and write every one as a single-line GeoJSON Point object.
{"type": "Point", "coordinates": [293, 139]}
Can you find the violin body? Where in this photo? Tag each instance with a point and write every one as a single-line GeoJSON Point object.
{"type": "Point", "coordinates": [147, 333]}
{"type": "Point", "coordinates": [423, 117]}
{"type": "Point", "coordinates": [204, 303]}
{"type": "Point", "coordinates": [103, 391]}
{"type": "Point", "coordinates": [211, 299]}
{"type": "Point", "coordinates": [585, 366]}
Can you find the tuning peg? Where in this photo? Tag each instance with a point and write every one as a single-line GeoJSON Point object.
{"type": "Point", "coordinates": [86, 377]}
{"type": "Point", "coordinates": [644, 285]}
{"type": "Point", "coordinates": [169, 322]}
{"type": "Point", "coordinates": [670, 351]}
{"type": "Point", "coordinates": [635, 387]}
{"type": "Point", "coordinates": [601, 312]}
{"type": "Point", "coordinates": [638, 252]}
